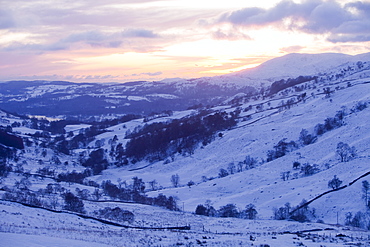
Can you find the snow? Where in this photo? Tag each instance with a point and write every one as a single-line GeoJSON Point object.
{"type": "Point", "coordinates": [23, 240]}
{"type": "Point", "coordinates": [296, 64]}
{"type": "Point", "coordinates": [262, 186]}
{"type": "Point", "coordinates": [23, 226]}
{"type": "Point", "coordinates": [76, 127]}
{"type": "Point", "coordinates": [137, 98]}
{"type": "Point", "coordinates": [162, 95]}
{"type": "Point", "coordinates": [43, 89]}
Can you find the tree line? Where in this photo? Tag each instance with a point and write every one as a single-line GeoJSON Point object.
{"type": "Point", "coordinates": [158, 141]}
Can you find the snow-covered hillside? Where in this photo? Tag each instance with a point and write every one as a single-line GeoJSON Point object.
{"type": "Point", "coordinates": [296, 64]}
{"type": "Point", "coordinates": [263, 185]}
{"type": "Point", "coordinates": [277, 151]}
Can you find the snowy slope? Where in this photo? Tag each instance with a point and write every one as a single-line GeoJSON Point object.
{"type": "Point", "coordinates": [294, 65]}
{"type": "Point", "coordinates": [262, 124]}
{"type": "Point", "coordinates": [22, 226]}
{"type": "Point", "coordinates": [263, 185]}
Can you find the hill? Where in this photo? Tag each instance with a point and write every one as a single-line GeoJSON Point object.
{"type": "Point", "coordinates": [286, 165]}
{"type": "Point", "coordinates": [84, 101]}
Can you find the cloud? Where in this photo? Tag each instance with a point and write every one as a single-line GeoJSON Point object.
{"type": "Point", "coordinates": [230, 35]}
{"type": "Point", "coordinates": [89, 36]}
{"type": "Point", "coordinates": [362, 7]}
{"type": "Point", "coordinates": [292, 49]}
{"type": "Point", "coordinates": [342, 38]}
{"type": "Point", "coordinates": [149, 74]}
{"type": "Point", "coordinates": [18, 46]}
{"type": "Point", "coordinates": [93, 38]}
{"type": "Point", "coordinates": [139, 33]}
{"type": "Point", "coordinates": [6, 19]}
{"type": "Point", "coordinates": [261, 17]}
{"type": "Point", "coordinates": [95, 77]}
{"type": "Point", "coordinates": [326, 17]}
{"type": "Point", "coordinates": [341, 23]}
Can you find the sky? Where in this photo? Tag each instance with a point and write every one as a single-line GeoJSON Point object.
{"type": "Point", "coordinates": [130, 40]}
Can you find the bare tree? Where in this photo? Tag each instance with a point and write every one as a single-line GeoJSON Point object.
{"type": "Point", "coordinates": [54, 201]}
{"type": "Point", "coordinates": [365, 190]}
{"type": "Point", "coordinates": [285, 175]}
{"type": "Point", "coordinates": [345, 152]}
{"type": "Point", "coordinates": [97, 194]}
{"type": "Point", "coordinates": [175, 180]}
{"type": "Point", "coordinates": [231, 168]}
{"type": "Point", "coordinates": [153, 184]}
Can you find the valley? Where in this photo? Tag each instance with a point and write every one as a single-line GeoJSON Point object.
{"type": "Point", "coordinates": [282, 163]}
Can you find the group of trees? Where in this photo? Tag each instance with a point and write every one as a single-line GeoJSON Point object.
{"type": "Point", "coordinates": [283, 84]}
{"type": "Point", "coordinates": [227, 211]}
{"type": "Point", "coordinates": [344, 151]}
{"type": "Point", "coordinates": [96, 161]}
{"type": "Point", "coordinates": [11, 140]}
{"type": "Point", "coordinates": [43, 197]}
{"type": "Point", "coordinates": [135, 193]}
{"type": "Point", "coordinates": [73, 203]}
{"type": "Point", "coordinates": [248, 163]}
{"type": "Point", "coordinates": [330, 123]}
{"type": "Point", "coordinates": [360, 219]}
{"type": "Point", "coordinates": [74, 176]}
{"type": "Point", "coordinates": [158, 141]}
{"type": "Point", "coordinates": [301, 212]}
{"type": "Point", "coordinates": [281, 149]}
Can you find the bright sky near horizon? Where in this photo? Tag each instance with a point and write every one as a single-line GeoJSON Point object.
{"type": "Point", "coordinates": [127, 40]}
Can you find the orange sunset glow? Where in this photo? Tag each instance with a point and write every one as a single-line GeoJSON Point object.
{"type": "Point", "coordinates": [119, 41]}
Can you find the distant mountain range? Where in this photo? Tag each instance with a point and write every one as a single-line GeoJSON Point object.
{"type": "Point", "coordinates": [70, 100]}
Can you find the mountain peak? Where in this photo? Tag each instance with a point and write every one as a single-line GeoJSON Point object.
{"type": "Point", "coordinates": [296, 64]}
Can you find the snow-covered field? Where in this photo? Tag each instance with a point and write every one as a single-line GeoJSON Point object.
{"type": "Point", "coordinates": [23, 226]}
{"type": "Point", "coordinates": [262, 125]}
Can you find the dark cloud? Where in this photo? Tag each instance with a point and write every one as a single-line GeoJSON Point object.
{"type": "Point", "coordinates": [362, 7]}
{"type": "Point", "coordinates": [354, 27]}
{"type": "Point", "coordinates": [16, 46]}
{"type": "Point", "coordinates": [89, 36]}
{"type": "Point", "coordinates": [316, 17]}
{"type": "Point", "coordinates": [326, 17]}
{"type": "Point", "coordinates": [139, 33]}
{"type": "Point", "coordinates": [6, 19]}
{"type": "Point", "coordinates": [261, 17]}
{"type": "Point", "coordinates": [341, 38]}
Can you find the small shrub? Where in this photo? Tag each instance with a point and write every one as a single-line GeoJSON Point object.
{"type": "Point", "coordinates": [223, 173]}
{"type": "Point", "coordinates": [334, 183]}
{"type": "Point", "coordinates": [116, 214]}
{"type": "Point", "coordinates": [73, 203]}
{"type": "Point", "coordinates": [190, 183]}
